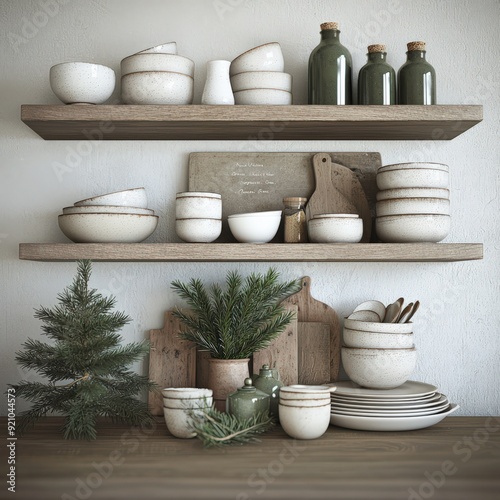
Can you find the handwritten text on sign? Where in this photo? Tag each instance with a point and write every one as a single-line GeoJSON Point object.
{"type": "Point", "coordinates": [251, 181]}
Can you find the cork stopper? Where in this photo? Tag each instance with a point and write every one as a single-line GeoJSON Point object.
{"type": "Point", "coordinates": [415, 46]}
{"type": "Point", "coordinates": [376, 48]}
{"type": "Point", "coordinates": [329, 26]}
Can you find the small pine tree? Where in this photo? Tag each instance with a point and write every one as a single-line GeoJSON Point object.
{"type": "Point", "coordinates": [87, 356]}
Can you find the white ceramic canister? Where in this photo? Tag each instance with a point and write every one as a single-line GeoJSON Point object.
{"type": "Point", "coordinates": [218, 85]}
{"type": "Point", "coordinates": [198, 205]}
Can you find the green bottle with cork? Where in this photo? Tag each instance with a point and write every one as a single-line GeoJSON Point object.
{"type": "Point", "coordinates": [377, 78]}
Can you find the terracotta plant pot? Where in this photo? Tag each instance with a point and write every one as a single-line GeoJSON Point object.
{"type": "Point", "coordinates": [224, 377]}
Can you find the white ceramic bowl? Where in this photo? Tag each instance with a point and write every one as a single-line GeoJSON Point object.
{"type": "Point", "coordinates": [263, 97]}
{"type": "Point", "coordinates": [335, 216]}
{"type": "Point", "coordinates": [107, 209]}
{"type": "Point", "coordinates": [198, 230]}
{"type": "Point", "coordinates": [261, 80]}
{"type": "Point", "coordinates": [306, 392]}
{"type": "Point", "coordinates": [179, 422]}
{"type": "Point", "coordinates": [135, 197]}
{"type": "Point", "coordinates": [186, 393]}
{"type": "Point", "coordinates": [164, 48]}
{"type": "Point", "coordinates": [416, 228]}
{"type": "Point", "coordinates": [402, 206]}
{"type": "Point", "coordinates": [157, 87]}
{"type": "Point", "coordinates": [308, 403]}
{"type": "Point", "coordinates": [413, 165]}
{"type": "Point", "coordinates": [304, 422]}
{"type": "Point", "coordinates": [365, 316]}
{"type": "Point", "coordinates": [190, 403]}
{"type": "Point", "coordinates": [388, 194]}
{"type": "Point", "coordinates": [335, 230]}
{"type": "Point", "coordinates": [413, 177]}
{"type": "Point", "coordinates": [107, 228]}
{"type": "Point", "coordinates": [377, 327]}
{"type": "Point", "coordinates": [254, 228]}
{"type": "Point", "coordinates": [267, 57]}
{"type": "Point", "coordinates": [192, 205]}
{"type": "Point", "coordinates": [379, 368]}
{"type": "Point", "coordinates": [139, 63]}
{"type": "Point", "coordinates": [270, 213]}
{"type": "Point", "coordinates": [82, 83]}
{"type": "Point", "coordinates": [359, 338]}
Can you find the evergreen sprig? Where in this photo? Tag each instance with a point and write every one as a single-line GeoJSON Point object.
{"type": "Point", "coordinates": [238, 321]}
{"type": "Point", "coordinates": [86, 366]}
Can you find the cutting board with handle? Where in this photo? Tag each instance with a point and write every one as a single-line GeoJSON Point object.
{"type": "Point", "coordinates": [172, 361]}
{"type": "Point", "coordinates": [314, 353]}
{"type": "Point", "coordinates": [312, 310]}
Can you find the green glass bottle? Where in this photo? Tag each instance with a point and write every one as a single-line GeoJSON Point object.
{"type": "Point", "coordinates": [416, 78]}
{"type": "Point", "coordinates": [377, 78]}
{"type": "Point", "coordinates": [267, 383]}
{"type": "Point", "coordinates": [330, 69]}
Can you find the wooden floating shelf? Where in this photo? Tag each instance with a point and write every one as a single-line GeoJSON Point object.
{"type": "Point", "coordinates": [197, 122]}
{"type": "Point", "coordinates": [238, 252]}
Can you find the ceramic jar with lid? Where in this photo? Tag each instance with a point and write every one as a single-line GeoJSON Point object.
{"type": "Point", "coordinates": [267, 383]}
{"type": "Point", "coordinates": [247, 401]}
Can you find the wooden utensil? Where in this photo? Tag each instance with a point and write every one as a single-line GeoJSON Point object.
{"type": "Point", "coordinates": [312, 310]}
{"type": "Point", "coordinates": [405, 313]}
{"type": "Point", "coordinates": [314, 353]}
{"type": "Point", "coordinates": [172, 361]}
{"type": "Point", "coordinates": [392, 311]}
{"type": "Point", "coordinates": [413, 311]}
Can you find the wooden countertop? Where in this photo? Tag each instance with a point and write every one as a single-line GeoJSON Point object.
{"type": "Point", "coordinates": [457, 459]}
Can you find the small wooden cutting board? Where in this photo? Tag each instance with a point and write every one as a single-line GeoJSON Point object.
{"type": "Point", "coordinates": [314, 353]}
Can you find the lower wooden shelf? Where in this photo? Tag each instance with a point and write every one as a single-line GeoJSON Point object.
{"type": "Point", "coordinates": [238, 252]}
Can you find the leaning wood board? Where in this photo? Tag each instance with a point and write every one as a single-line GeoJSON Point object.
{"type": "Point", "coordinates": [314, 353]}
{"type": "Point", "coordinates": [250, 182]}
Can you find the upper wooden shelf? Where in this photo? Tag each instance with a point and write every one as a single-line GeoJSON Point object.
{"type": "Point", "coordinates": [238, 252]}
{"type": "Point", "coordinates": [196, 122]}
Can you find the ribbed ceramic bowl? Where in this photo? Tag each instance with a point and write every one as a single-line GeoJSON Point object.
{"type": "Point", "coordinates": [263, 97]}
{"type": "Point", "coordinates": [135, 197]}
{"type": "Point", "coordinates": [413, 177]}
{"type": "Point", "coordinates": [306, 392]}
{"type": "Point", "coordinates": [138, 63]}
{"type": "Point", "coordinates": [335, 230]}
{"type": "Point", "coordinates": [164, 48]}
{"type": "Point", "coordinates": [107, 209]}
{"type": "Point", "coordinates": [192, 205]}
{"type": "Point", "coordinates": [107, 228]}
{"type": "Point", "coordinates": [403, 206]}
{"type": "Point", "coordinates": [414, 228]}
{"type": "Point", "coordinates": [188, 404]}
{"type": "Point", "coordinates": [308, 403]}
{"type": "Point", "coordinates": [304, 422]}
{"type": "Point", "coordinates": [186, 393]}
{"type": "Point", "coordinates": [377, 327]}
{"type": "Point", "coordinates": [267, 57]}
{"type": "Point", "coordinates": [254, 228]}
{"type": "Point", "coordinates": [414, 165]}
{"type": "Point", "coordinates": [179, 422]}
{"type": "Point", "coordinates": [261, 80]}
{"type": "Point", "coordinates": [388, 194]}
{"type": "Point", "coordinates": [359, 338]}
{"type": "Point", "coordinates": [198, 230]}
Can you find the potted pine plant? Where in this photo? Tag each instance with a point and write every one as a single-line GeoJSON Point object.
{"type": "Point", "coordinates": [233, 323]}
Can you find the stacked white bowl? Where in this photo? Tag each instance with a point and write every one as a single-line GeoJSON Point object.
{"type": "Point", "coordinates": [413, 204]}
{"type": "Point", "coordinates": [119, 217]}
{"type": "Point", "coordinates": [255, 227]}
{"type": "Point", "coordinates": [257, 77]}
{"type": "Point", "coordinates": [335, 228]}
{"type": "Point", "coordinates": [157, 76]}
{"type": "Point", "coordinates": [198, 216]}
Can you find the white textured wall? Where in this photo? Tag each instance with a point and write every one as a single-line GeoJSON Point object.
{"type": "Point", "coordinates": [457, 328]}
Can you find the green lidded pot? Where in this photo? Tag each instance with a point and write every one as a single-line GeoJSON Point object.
{"type": "Point", "coordinates": [247, 401]}
{"type": "Point", "coordinates": [416, 78]}
{"type": "Point", "coordinates": [377, 78]}
{"type": "Point", "coordinates": [267, 383]}
{"type": "Point", "coordinates": [330, 69]}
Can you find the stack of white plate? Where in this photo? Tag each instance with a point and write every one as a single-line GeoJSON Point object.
{"type": "Point", "coordinates": [413, 405]}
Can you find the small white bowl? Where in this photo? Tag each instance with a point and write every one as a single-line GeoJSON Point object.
{"type": "Point", "coordinates": [198, 230]}
{"type": "Point", "coordinates": [377, 327]}
{"type": "Point", "coordinates": [263, 97]}
{"type": "Point", "coordinates": [179, 422]}
{"type": "Point", "coordinates": [359, 338]}
{"type": "Point", "coordinates": [270, 213]}
{"type": "Point", "coordinates": [306, 392]}
{"type": "Point", "coordinates": [188, 404]}
{"type": "Point", "coordinates": [267, 57]}
{"type": "Point", "coordinates": [308, 403]}
{"type": "Point", "coordinates": [164, 48]}
{"type": "Point", "coordinates": [412, 165]}
{"type": "Point", "coordinates": [139, 63]}
{"type": "Point", "coordinates": [415, 228]}
{"type": "Point", "coordinates": [186, 393]}
{"type": "Point", "coordinates": [402, 206]}
{"type": "Point", "coordinates": [254, 228]}
{"type": "Point", "coordinates": [365, 315]}
{"type": "Point", "coordinates": [193, 205]}
{"type": "Point", "coordinates": [413, 177]}
{"type": "Point", "coordinates": [82, 83]}
{"type": "Point", "coordinates": [107, 209]}
{"type": "Point", "coordinates": [304, 422]}
{"type": "Point", "coordinates": [261, 80]}
{"type": "Point", "coordinates": [379, 368]}
{"type": "Point", "coordinates": [388, 194]}
{"type": "Point", "coordinates": [329, 216]}
{"type": "Point", "coordinates": [157, 87]}
{"type": "Point", "coordinates": [335, 230]}
{"type": "Point", "coordinates": [135, 197]}
{"type": "Point", "coordinates": [107, 228]}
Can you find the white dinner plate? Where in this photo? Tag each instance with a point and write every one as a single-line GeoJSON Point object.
{"type": "Point", "coordinates": [357, 400]}
{"type": "Point", "coordinates": [391, 406]}
{"type": "Point", "coordinates": [390, 423]}
{"type": "Point", "coordinates": [409, 413]}
{"type": "Point", "coordinates": [410, 389]}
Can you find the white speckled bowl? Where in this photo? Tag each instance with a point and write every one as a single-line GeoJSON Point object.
{"type": "Point", "coordinates": [270, 213]}
{"type": "Point", "coordinates": [164, 48]}
{"type": "Point", "coordinates": [303, 422]}
{"type": "Point", "coordinates": [263, 97]}
{"type": "Point", "coordinates": [335, 230]}
{"type": "Point", "coordinates": [135, 197]}
{"type": "Point", "coordinates": [179, 422]}
{"type": "Point", "coordinates": [413, 165]}
{"type": "Point", "coordinates": [186, 392]}
{"type": "Point", "coordinates": [377, 327]}
{"type": "Point", "coordinates": [157, 87]}
{"type": "Point", "coordinates": [82, 83]}
{"type": "Point", "coordinates": [267, 57]}
{"type": "Point", "coordinates": [254, 228]}
{"type": "Point", "coordinates": [309, 403]}
{"type": "Point", "coordinates": [198, 230]}
{"type": "Point", "coordinates": [261, 80]}
{"type": "Point", "coordinates": [379, 368]}
{"type": "Point", "coordinates": [107, 228]}
{"type": "Point", "coordinates": [107, 209]}
{"type": "Point", "coordinates": [413, 177]}
{"type": "Point", "coordinates": [389, 194]}
{"type": "Point", "coordinates": [414, 228]}
{"type": "Point", "coordinates": [143, 62]}
{"type": "Point", "coordinates": [359, 338]}
{"type": "Point", "coordinates": [192, 205]}
{"type": "Point", "coordinates": [413, 206]}
{"type": "Point", "coordinates": [190, 403]}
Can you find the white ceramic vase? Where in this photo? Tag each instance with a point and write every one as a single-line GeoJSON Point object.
{"type": "Point", "coordinates": [218, 86]}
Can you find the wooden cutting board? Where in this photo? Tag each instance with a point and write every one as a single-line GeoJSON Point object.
{"type": "Point", "coordinates": [314, 353]}
{"type": "Point", "coordinates": [312, 310]}
{"type": "Point", "coordinates": [172, 361]}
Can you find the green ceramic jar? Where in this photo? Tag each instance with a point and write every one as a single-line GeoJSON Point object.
{"type": "Point", "coordinates": [377, 78]}
{"type": "Point", "coordinates": [416, 78]}
{"type": "Point", "coordinates": [330, 69]}
{"type": "Point", "coordinates": [247, 401]}
{"type": "Point", "coordinates": [266, 383]}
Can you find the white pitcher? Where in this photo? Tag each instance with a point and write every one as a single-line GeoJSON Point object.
{"type": "Point", "coordinates": [218, 85]}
